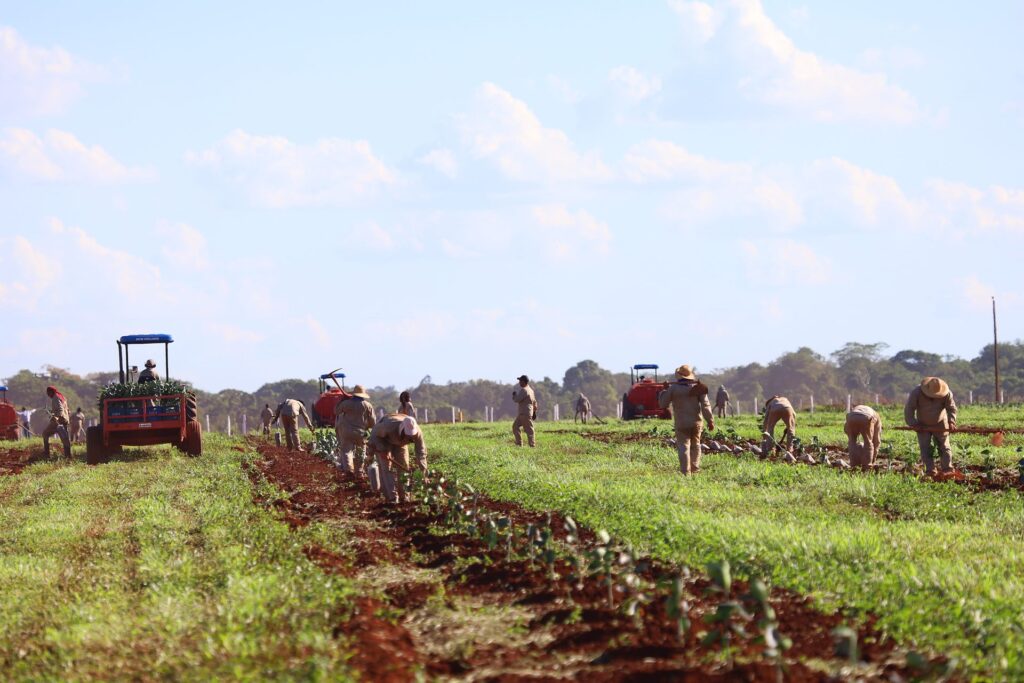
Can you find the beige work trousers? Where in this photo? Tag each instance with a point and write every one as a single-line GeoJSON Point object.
{"type": "Point", "coordinates": [775, 415]}
{"type": "Point", "coordinates": [61, 430]}
{"type": "Point", "coordinates": [688, 445]}
{"type": "Point", "coordinates": [291, 432]}
{"type": "Point", "coordinates": [392, 466]}
{"type": "Point", "coordinates": [266, 428]}
{"type": "Point", "coordinates": [351, 450]}
{"type": "Point", "coordinates": [525, 423]}
{"type": "Point", "coordinates": [941, 441]}
{"type": "Point", "coordinates": [869, 431]}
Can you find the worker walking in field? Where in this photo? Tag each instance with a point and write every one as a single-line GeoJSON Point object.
{"type": "Point", "coordinates": [865, 423]}
{"type": "Point", "coordinates": [149, 374]}
{"type": "Point", "coordinates": [931, 412]}
{"type": "Point", "coordinates": [721, 401]}
{"type": "Point", "coordinates": [266, 417]}
{"type": "Point", "coordinates": [690, 407]}
{"type": "Point", "coordinates": [526, 412]}
{"type": "Point", "coordinates": [583, 408]}
{"type": "Point", "coordinates": [388, 443]}
{"type": "Point", "coordinates": [777, 409]}
{"type": "Point", "coordinates": [353, 420]}
{"type": "Point", "coordinates": [289, 411]}
{"type": "Point", "coordinates": [405, 405]}
{"type": "Point", "coordinates": [78, 426]}
{"type": "Point", "coordinates": [59, 421]}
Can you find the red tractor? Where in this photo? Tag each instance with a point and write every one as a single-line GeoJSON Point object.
{"type": "Point", "coordinates": [642, 398]}
{"type": "Point", "coordinates": [131, 417]}
{"type": "Point", "coordinates": [10, 426]}
{"type": "Point", "coordinates": [323, 407]}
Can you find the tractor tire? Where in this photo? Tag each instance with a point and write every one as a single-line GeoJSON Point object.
{"type": "Point", "coordinates": [94, 452]}
{"type": "Point", "coordinates": [191, 407]}
{"type": "Point", "coordinates": [193, 443]}
{"type": "Point", "coordinates": [628, 409]}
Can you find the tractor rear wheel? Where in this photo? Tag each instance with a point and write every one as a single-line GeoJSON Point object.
{"type": "Point", "coordinates": [193, 443]}
{"type": "Point", "coordinates": [628, 409]}
{"type": "Point", "coordinates": [191, 409]}
{"type": "Point", "coordinates": [94, 453]}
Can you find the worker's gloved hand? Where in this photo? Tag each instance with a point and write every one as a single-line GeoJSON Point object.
{"type": "Point", "coordinates": [711, 426]}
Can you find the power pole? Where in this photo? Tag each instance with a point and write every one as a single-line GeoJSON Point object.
{"type": "Point", "coordinates": [995, 349]}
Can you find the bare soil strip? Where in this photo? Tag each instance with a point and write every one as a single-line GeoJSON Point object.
{"type": "Point", "coordinates": [443, 603]}
{"type": "Point", "coordinates": [13, 462]}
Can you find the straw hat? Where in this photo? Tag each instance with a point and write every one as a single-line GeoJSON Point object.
{"type": "Point", "coordinates": [409, 427]}
{"type": "Point", "coordinates": [933, 387]}
{"type": "Point", "coordinates": [685, 372]}
{"type": "Point", "coordinates": [359, 391]}
{"type": "Point", "coordinates": [150, 363]}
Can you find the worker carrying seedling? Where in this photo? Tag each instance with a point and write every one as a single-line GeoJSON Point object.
{"type": "Point", "coordinates": [388, 443]}
{"type": "Point", "coordinates": [583, 408]}
{"type": "Point", "coordinates": [931, 412]}
{"type": "Point", "coordinates": [149, 374]}
{"type": "Point", "coordinates": [777, 409]}
{"type": "Point", "coordinates": [721, 401]}
{"type": "Point", "coordinates": [78, 426]}
{"type": "Point", "coordinates": [406, 407]}
{"type": "Point", "coordinates": [690, 407]}
{"type": "Point", "coordinates": [266, 417]}
{"type": "Point", "coordinates": [353, 420]}
{"type": "Point", "coordinates": [526, 412]}
{"type": "Point", "coordinates": [289, 411]}
{"type": "Point", "coordinates": [865, 423]}
{"type": "Point", "coordinates": [58, 422]}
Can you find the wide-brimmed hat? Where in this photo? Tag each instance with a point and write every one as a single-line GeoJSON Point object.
{"type": "Point", "coordinates": [685, 372]}
{"type": "Point", "coordinates": [150, 363]}
{"type": "Point", "coordinates": [409, 427]}
{"type": "Point", "coordinates": [934, 387]}
{"type": "Point", "coordinates": [359, 391]}
{"type": "Point", "coordinates": [523, 378]}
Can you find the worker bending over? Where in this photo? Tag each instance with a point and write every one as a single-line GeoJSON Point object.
{"type": "Point", "coordinates": [777, 409]}
{"type": "Point", "coordinates": [388, 442]}
{"type": "Point", "coordinates": [289, 411]}
{"type": "Point", "coordinates": [865, 423]}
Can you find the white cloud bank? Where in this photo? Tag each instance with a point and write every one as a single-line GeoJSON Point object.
{"type": "Point", "coordinates": [278, 173]}
{"type": "Point", "coordinates": [39, 80]}
{"type": "Point", "coordinates": [58, 156]}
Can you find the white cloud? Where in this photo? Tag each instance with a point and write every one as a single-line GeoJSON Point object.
{"type": "Point", "coordinates": [563, 89]}
{"type": "Point", "coordinates": [183, 246]}
{"type": "Point", "coordinates": [504, 131]}
{"type": "Point", "coordinates": [871, 198]}
{"type": "Point", "coordinates": [233, 334]}
{"type": "Point", "coordinates": [963, 208]}
{"type": "Point", "coordinates": [372, 236]}
{"type": "Point", "coordinates": [772, 70]}
{"type": "Point", "coordinates": [26, 273]}
{"type": "Point", "coordinates": [39, 80]}
{"type": "Point", "coordinates": [567, 234]}
{"type": "Point", "coordinates": [278, 173]}
{"type": "Point", "coordinates": [60, 156]}
{"type": "Point", "coordinates": [317, 331]}
{"type": "Point", "coordinates": [441, 160]}
{"type": "Point", "coordinates": [782, 262]}
{"type": "Point", "coordinates": [632, 84]}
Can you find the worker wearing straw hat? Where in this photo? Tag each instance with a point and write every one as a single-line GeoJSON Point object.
{"type": "Point", "coordinates": [777, 409]}
{"type": "Point", "coordinates": [931, 411]}
{"type": "Point", "coordinates": [353, 420]}
{"type": "Point", "coordinates": [690, 407]}
{"type": "Point", "coordinates": [388, 442]}
{"type": "Point", "coordinates": [526, 413]}
{"type": "Point", "coordinates": [149, 374]}
{"type": "Point", "coordinates": [862, 422]}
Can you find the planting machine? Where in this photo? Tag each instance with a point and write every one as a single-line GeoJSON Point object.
{"type": "Point", "coordinates": [642, 398]}
{"type": "Point", "coordinates": [323, 407]}
{"type": "Point", "coordinates": [10, 426]}
{"type": "Point", "coordinates": [129, 416]}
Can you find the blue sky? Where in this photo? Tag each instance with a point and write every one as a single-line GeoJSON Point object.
{"type": "Point", "coordinates": [467, 190]}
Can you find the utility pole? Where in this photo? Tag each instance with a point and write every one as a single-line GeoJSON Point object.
{"type": "Point", "coordinates": [995, 349]}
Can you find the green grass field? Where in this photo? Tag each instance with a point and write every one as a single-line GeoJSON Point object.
{"type": "Point", "coordinates": [159, 567]}
{"type": "Point", "coordinates": [941, 566]}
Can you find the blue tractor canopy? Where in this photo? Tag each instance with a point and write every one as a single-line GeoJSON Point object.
{"type": "Point", "coordinates": [636, 372]}
{"type": "Point", "coordinates": [334, 376]}
{"type": "Point", "coordinates": [129, 340]}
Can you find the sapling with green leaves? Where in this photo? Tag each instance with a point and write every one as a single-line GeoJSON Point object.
{"type": "Point", "coordinates": [676, 606]}
{"type": "Point", "coordinates": [602, 562]}
{"type": "Point", "coordinates": [727, 620]}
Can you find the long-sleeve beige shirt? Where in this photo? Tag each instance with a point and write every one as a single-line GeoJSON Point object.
{"type": "Point", "coordinates": [354, 414]}
{"type": "Point", "coordinates": [525, 399]}
{"type": "Point", "coordinates": [293, 408]}
{"type": "Point", "coordinates": [387, 434]}
{"type": "Point", "coordinates": [689, 401]}
{"type": "Point", "coordinates": [922, 411]}
{"type": "Point", "coordinates": [59, 409]}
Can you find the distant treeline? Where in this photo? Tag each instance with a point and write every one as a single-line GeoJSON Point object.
{"type": "Point", "coordinates": [861, 370]}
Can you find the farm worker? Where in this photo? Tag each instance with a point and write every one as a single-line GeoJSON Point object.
{"type": "Point", "coordinates": [149, 374]}
{"type": "Point", "coordinates": [78, 426]}
{"type": "Point", "coordinates": [289, 411]}
{"type": "Point", "coordinates": [690, 407]}
{"type": "Point", "coordinates": [931, 411]}
{"type": "Point", "coordinates": [26, 417]}
{"type": "Point", "coordinates": [353, 420]}
{"type": "Point", "coordinates": [266, 416]}
{"type": "Point", "coordinates": [863, 422]}
{"type": "Point", "coordinates": [583, 407]}
{"type": "Point", "coordinates": [58, 422]}
{"type": "Point", "coordinates": [721, 400]}
{"type": "Point", "coordinates": [527, 412]}
{"type": "Point", "coordinates": [388, 442]}
{"type": "Point", "coordinates": [777, 409]}
{"type": "Point", "coordinates": [406, 407]}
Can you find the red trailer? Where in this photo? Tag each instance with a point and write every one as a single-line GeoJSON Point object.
{"type": "Point", "coordinates": [10, 425]}
{"type": "Point", "coordinates": [144, 420]}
